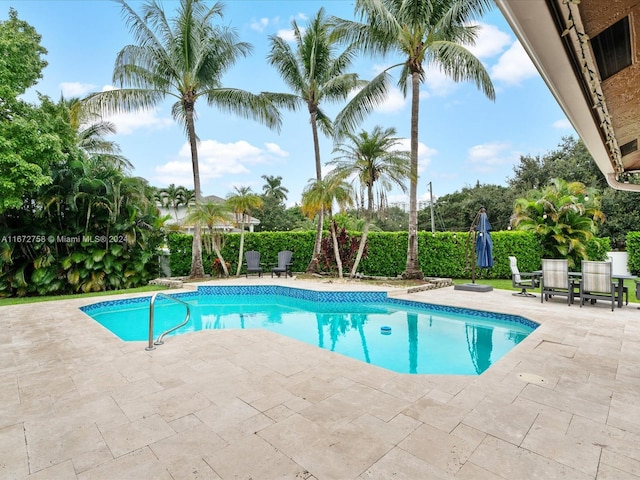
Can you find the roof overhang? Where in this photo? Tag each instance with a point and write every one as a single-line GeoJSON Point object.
{"type": "Point", "coordinates": [606, 114]}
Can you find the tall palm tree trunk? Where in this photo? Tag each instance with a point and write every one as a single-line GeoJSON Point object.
{"type": "Point", "coordinates": [216, 248]}
{"type": "Point", "coordinates": [336, 247]}
{"type": "Point", "coordinates": [241, 246]}
{"type": "Point", "coordinates": [197, 268]}
{"type": "Point", "coordinates": [313, 264]}
{"type": "Point", "coordinates": [412, 269]}
{"type": "Point", "coordinates": [365, 231]}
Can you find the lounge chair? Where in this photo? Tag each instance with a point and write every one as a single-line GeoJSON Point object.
{"type": "Point", "coordinates": [556, 280]}
{"type": "Point", "coordinates": [596, 282]}
{"type": "Point", "coordinates": [252, 263]}
{"type": "Point", "coordinates": [522, 280]}
{"type": "Point", "coordinates": [284, 264]}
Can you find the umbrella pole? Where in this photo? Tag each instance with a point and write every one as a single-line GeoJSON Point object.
{"type": "Point", "coordinates": [473, 287]}
{"type": "Point", "coordinates": [473, 258]}
{"type": "Point", "coordinates": [472, 231]}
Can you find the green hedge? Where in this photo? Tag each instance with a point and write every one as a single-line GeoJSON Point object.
{"type": "Point", "coordinates": [267, 243]}
{"type": "Point", "coordinates": [443, 254]}
{"type": "Point", "coordinates": [633, 250]}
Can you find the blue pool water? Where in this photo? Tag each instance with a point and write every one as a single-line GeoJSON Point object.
{"type": "Point", "coordinates": [400, 335]}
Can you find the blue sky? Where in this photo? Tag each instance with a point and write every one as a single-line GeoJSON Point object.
{"type": "Point", "coordinates": [464, 137]}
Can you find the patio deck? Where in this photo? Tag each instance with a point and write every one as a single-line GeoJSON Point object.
{"type": "Point", "coordinates": [78, 403]}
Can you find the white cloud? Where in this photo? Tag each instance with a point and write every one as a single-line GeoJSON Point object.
{"type": "Point", "coordinates": [177, 171]}
{"type": "Point", "coordinates": [127, 123]}
{"type": "Point", "coordinates": [490, 41]}
{"type": "Point", "coordinates": [259, 25]}
{"type": "Point", "coordinates": [562, 124]}
{"type": "Point", "coordinates": [438, 83]}
{"type": "Point", "coordinates": [394, 102]}
{"type": "Point", "coordinates": [424, 153]}
{"type": "Point", "coordinates": [378, 69]}
{"type": "Point", "coordinates": [490, 157]}
{"type": "Point", "coordinates": [288, 35]}
{"type": "Point", "coordinates": [76, 89]}
{"type": "Point", "coordinates": [218, 159]}
{"type": "Point", "coordinates": [276, 150]}
{"type": "Point", "coordinates": [514, 66]}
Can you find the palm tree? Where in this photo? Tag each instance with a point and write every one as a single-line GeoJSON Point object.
{"type": "Point", "coordinates": [185, 59]}
{"type": "Point", "coordinates": [431, 32]}
{"type": "Point", "coordinates": [173, 197]}
{"type": "Point", "coordinates": [372, 158]}
{"type": "Point", "coordinates": [91, 130]}
{"type": "Point", "coordinates": [211, 214]}
{"type": "Point", "coordinates": [564, 214]}
{"type": "Point", "coordinates": [316, 73]}
{"type": "Point", "coordinates": [320, 195]}
{"type": "Point", "coordinates": [273, 187]}
{"type": "Point", "coordinates": [242, 204]}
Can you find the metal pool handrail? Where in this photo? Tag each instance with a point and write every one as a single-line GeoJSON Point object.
{"type": "Point", "coordinates": [160, 339]}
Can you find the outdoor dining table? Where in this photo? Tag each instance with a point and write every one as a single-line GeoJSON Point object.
{"type": "Point", "coordinates": [618, 277]}
{"type": "Point", "coordinates": [619, 281]}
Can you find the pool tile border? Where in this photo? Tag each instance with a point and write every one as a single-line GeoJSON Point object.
{"type": "Point", "coordinates": [319, 297]}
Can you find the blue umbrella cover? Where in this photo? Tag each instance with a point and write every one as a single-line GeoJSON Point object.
{"type": "Point", "coordinates": [484, 245]}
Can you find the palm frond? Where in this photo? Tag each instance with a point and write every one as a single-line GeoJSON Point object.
{"type": "Point", "coordinates": [324, 123]}
{"type": "Point", "coordinates": [284, 59]}
{"type": "Point", "coordinates": [246, 105]}
{"type": "Point", "coordinates": [461, 65]}
{"type": "Point", "coordinates": [124, 100]}
{"type": "Point", "coordinates": [362, 104]}
{"type": "Point", "coordinates": [289, 101]}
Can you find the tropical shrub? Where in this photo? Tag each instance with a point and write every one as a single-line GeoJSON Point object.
{"type": "Point", "coordinates": [348, 244]}
{"type": "Point", "coordinates": [92, 227]}
{"type": "Point", "coordinates": [564, 216]}
{"type": "Point", "coordinates": [633, 250]}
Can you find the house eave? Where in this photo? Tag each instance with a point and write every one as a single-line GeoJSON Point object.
{"type": "Point", "coordinates": [561, 56]}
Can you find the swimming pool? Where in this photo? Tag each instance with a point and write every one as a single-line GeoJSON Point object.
{"type": "Point", "coordinates": [400, 335]}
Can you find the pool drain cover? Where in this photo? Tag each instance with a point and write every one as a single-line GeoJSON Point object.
{"type": "Point", "coordinates": [532, 378]}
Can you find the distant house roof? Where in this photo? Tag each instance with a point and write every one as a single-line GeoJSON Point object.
{"type": "Point", "coordinates": [588, 53]}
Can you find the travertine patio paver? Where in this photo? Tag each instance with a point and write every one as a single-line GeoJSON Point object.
{"type": "Point", "coordinates": [78, 403]}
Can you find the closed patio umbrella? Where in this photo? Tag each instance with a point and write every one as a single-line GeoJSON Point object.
{"type": "Point", "coordinates": [483, 250]}
{"type": "Point", "coordinates": [484, 245]}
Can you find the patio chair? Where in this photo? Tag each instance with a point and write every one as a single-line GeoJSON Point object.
{"type": "Point", "coordinates": [522, 280]}
{"type": "Point", "coordinates": [596, 282]}
{"type": "Point", "coordinates": [252, 263]}
{"type": "Point", "coordinates": [284, 264]}
{"type": "Point", "coordinates": [556, 280]}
